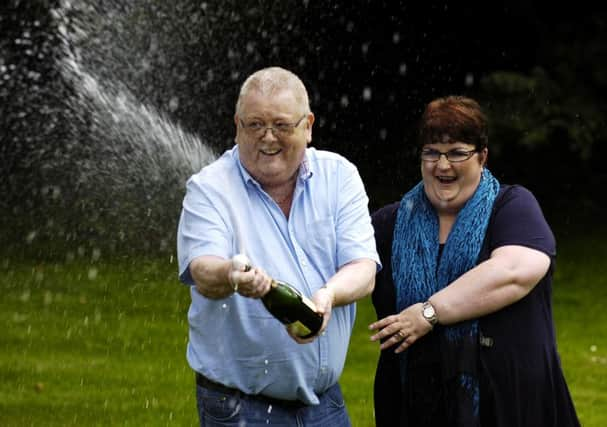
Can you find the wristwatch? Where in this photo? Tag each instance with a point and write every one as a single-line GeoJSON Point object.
{"type": "Point", "coordinates": [429, 313]}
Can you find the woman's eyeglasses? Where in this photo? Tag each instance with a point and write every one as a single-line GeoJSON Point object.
{"type": "Point", "coordinates": [453, 156]}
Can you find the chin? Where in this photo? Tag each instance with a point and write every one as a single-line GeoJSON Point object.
{"type": "Point", "coordinates": [445, 198]}
{"type": "Point", "coordinates": [446, 202]}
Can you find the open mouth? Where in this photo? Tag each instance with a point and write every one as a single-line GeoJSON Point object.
{"type": "Point", "coordinates": [270, 152]}
{"type": "Point", "coordinates": [446, 179]}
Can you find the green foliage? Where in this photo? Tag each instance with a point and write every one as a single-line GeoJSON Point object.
{"type": "Point", "coordinates": [538, 109]}
{"type": "Point", "coordinates": [94, 342]}
{"type": "Point", "coordinates": [547, 125]}
{"type": "Point", "coordinates": [561, 98]}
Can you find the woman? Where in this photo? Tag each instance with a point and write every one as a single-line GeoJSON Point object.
{"type": "Point", "coordinates": [464, 299]}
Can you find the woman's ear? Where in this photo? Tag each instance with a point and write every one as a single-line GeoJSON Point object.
{"type": "Point", "coordinates": [482, 156]}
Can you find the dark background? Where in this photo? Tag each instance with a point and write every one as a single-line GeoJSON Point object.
{"type": "Point", "coordinates": [538, 69]}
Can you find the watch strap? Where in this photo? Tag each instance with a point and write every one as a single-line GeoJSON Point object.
{"type": "Point", "coordinates": [429, 313]}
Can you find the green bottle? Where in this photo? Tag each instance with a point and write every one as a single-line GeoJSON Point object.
{"type": "Point", "coordinates": [287, 304]}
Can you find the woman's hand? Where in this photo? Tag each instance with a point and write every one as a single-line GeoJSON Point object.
{"type": "Point", "coordinates": [401, 329]}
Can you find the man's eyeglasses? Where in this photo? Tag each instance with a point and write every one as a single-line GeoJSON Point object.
{"type": "Point", "coordinates": [259, 129]}
{"type": "Point", "coordinates": [454, 156]}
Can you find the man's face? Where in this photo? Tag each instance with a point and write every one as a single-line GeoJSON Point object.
{"type": "Point", "coordinates": [272, 157]}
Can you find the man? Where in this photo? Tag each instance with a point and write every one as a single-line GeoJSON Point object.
{"type": "Point", "coordinates": [301, 216]}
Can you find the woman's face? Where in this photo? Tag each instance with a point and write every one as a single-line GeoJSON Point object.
{"type": "Point", "coordinates": [450, 184]}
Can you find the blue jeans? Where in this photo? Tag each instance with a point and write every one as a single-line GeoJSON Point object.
{"type": "Point", "coordinates": [220, 409]}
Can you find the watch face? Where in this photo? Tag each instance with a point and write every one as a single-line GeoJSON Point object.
{"type": "Point", "coordinates": [429, 312]}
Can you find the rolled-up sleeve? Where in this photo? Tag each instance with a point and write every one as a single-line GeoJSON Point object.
{"type": "Point", "coordinates": [202, 229]}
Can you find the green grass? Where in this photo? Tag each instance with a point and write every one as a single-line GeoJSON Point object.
{"type": "Point", "coordinates": [94, 344]}
{"type": "Point", "coordinates": [103, 343]}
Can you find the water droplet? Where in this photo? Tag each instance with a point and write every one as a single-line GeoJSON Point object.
{"type": "Point", "coordinates": [31, 236]}
{"type": "Point", "coordinates": [173, 104]}
{"type": "Point", "coordinates": [469, 79]}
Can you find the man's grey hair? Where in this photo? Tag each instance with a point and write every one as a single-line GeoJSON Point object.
{"type": "Point", "coordinates": [271, 80]}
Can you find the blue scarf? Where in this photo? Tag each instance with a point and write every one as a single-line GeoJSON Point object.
{"type": "Point", "coordinates": [418, 274]}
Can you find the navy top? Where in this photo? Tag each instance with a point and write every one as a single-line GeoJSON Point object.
{"type": "Point", "coordinates": [521, 381]}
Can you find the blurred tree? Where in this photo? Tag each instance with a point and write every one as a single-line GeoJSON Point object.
{"type": "Point", "coordinates": [549, 125]}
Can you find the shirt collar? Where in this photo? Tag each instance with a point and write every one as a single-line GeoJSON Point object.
{"type": "Point", "coordinates": [305, 170]}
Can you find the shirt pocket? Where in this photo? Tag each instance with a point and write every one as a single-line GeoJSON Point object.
{"type": "Point", "coordinates": [320, 243]}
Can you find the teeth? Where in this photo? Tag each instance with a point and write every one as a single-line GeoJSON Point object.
{"type": "Point", "coordinates": [270, 152]}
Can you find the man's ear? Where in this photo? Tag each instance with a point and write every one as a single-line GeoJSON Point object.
{"type": "Point", "coordinates": [309, 124]}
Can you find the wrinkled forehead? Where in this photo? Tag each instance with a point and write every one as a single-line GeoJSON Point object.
{"type": "Point", "coordinates": [277, 103]}
{"type": "Point", "coordinates": [274, 83]}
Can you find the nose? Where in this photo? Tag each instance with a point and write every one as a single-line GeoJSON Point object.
{"type": "Point", "coordinates": [268, 131]}
{"type": "Point", "coordinates": [443, 163]}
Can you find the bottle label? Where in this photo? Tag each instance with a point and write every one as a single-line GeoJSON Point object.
{"type": "Point", "coordinates": [299, 329]}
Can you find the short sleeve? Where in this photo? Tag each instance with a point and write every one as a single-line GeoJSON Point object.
{"type": "Point", "coordinates": [519, 220]}
{"type": "Point", "coordinates": [354, 230]}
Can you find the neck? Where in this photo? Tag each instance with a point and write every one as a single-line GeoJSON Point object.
{"type": "Point", "coordinates": [283, 192]}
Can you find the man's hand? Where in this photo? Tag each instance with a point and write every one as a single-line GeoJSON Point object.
{"type": "Point", "coordinates": [248, 282]}
{"type": "Point", "coordinates": [323, 299]}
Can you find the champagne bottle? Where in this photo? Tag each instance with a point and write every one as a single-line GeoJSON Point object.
{"type": "Point", "coordinates": [287, 304]}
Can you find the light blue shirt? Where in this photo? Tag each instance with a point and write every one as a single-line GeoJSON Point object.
{"type": "Point", "coordinates": [235, 340]}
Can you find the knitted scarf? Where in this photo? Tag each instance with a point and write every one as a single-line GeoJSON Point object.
{"type": "Point", "coordinates": [418, 274]}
